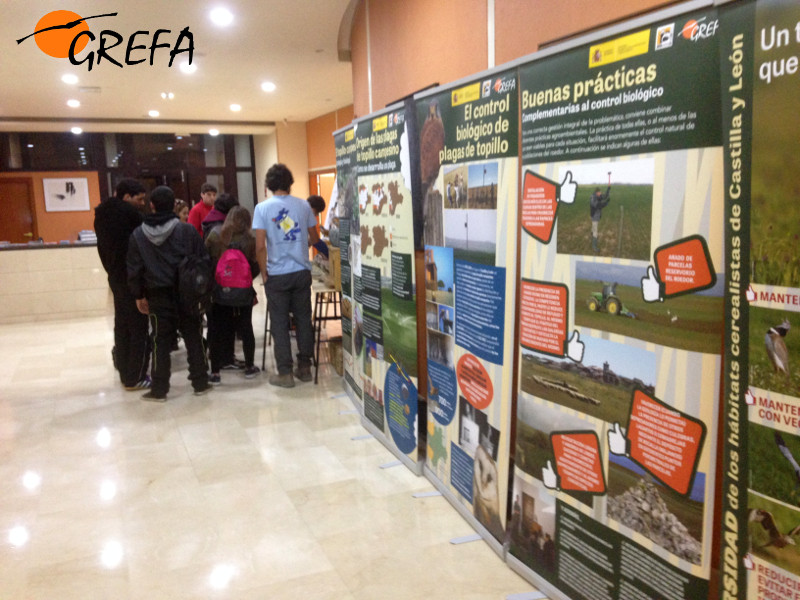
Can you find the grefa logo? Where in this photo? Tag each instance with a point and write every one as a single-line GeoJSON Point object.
{"type": "Point", "coordinates": [65, 34]}
{"type": "Point", "coordinates": [700, 30]}
{"type": "Point", "coordinates": [502, 86]}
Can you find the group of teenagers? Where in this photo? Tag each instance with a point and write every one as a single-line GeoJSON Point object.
{"type": "Point", "coordinates": [143, 241]}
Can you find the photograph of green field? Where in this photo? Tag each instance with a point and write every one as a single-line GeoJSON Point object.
{"type": "Point", "coordinates": [399, 331]}
{"type": "Point", "coordinates": [671, 520]}
{"type": "Point", "coordinates": [624, 225]}
{"type": "Point", "coordinates": [763, 373]}
{"type": "Point", "coordinates": [624, 230]}
{"type": "Point", "coordinates": [472, 234]}
{"type": "Point", "coordinates": [782, 551]}
{"type": "Point", "coordinates": [533, 447]}
{"type": "Point", "coordinates": [692, 322]}
{"type": "Point", "coordinates": [771, 472]}
{"type": "Point", "coordinates": [601, 386]}
{"type": "Point", "coordinates": [775, 212]}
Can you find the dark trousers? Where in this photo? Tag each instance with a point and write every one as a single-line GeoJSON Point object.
{"type": "Point", "coordinates": [166, 320]}
{"type": "Point", "coordinates": [224, 324]}
{"type": "Point", "coordinates": [131, 348]}
{"type": "Point", "coordinates": [291, 293]}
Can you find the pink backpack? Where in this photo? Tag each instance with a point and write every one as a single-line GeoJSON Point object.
{"type": "Point", "coordinates": [234, 279]}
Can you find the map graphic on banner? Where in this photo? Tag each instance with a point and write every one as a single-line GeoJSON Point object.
{"type": "Point", "coordinates": [348, 216]}
{"type": "Point", "coordinates": [468, 164]}
{"type": "Point", "coordinates": [621, 314]}
{"type": "Point", "coordinates": [384, 284]}
{"type": "Point", "coordinates": [760, 545]}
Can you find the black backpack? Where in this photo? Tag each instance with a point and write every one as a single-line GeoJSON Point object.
{"type": "Point", "coordinates": [195, 284]}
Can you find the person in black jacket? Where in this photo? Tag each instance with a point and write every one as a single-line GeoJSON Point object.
{"type": "Point", "coordinates": [114, 221]}
{"type": "Point", "coordinates": [155, 251]}
{"type": "Point", "coordinates": [597, 203]}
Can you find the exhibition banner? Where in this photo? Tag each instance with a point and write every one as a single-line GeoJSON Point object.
{"type": "Point", "coordinates": [382, 243]}
{"type": "Point", "coordinates": [621, 313]}
{"type": "Point", "coordinates": [760, 537]}
{"type": "Point", "coordinates": [468, 148]}
{"type": "Point", "coordinates": [348, 217]}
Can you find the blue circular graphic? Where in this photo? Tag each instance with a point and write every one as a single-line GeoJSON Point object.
{"type": "Point", "coordinates": [400, 403]}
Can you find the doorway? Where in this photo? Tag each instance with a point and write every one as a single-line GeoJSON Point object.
{"type": "Point", "coordinates": [18, 224]}
{"type": "Point", "coordinates": [176, 179]}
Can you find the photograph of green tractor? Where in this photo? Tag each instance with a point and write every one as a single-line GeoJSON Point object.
{"type": "Point", "coordinates": [608, 301]}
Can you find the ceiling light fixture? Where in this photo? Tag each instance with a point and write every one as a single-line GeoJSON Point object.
{"type": "Point", "coordinates": [167, 95]}
{"type": "Point", "coordinates": [73, 103]}
{"type": "Point", "coordinates": [154, 113]}
{"type": "Point", "coordinates": [236, 107]}
{"type": "Point", "coordinates": [221, 17]}
{"type": "Point", "coordinates": [188, 68]}
{"type": "Point", "coordinates": [213, 132]}
{"type": "Point", "coordinates": [268, 86]}
{"type": "Point", "coordinates": [76, 130]}
{"type": "Point", "coordinates": [69, 78]}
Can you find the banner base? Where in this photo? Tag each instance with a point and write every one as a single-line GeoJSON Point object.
{"type": "Point", "coordinates": [414, 467]}
{"type": "Point", "coordinates": [494, 543]}
{"type": "Point", "coordinates": [531, 577]}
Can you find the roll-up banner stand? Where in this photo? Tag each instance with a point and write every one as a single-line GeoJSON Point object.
{"type": "Point", "coordinates": [468, 152]}
{"type": "Point", "coordinates": [384, 290]}
{"type": "Point", "coordinates": [760, 537]}
{"type": "Point", "coordinates": [622, 272]}
{"type": "Point", "coordinates": [348, 215]}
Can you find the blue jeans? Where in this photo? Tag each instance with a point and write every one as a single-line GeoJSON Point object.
{"type": "Point", "coordinates": [291, 293]}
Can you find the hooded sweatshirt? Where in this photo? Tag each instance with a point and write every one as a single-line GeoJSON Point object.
{"type": "Point", "coordinates": [156, 249]}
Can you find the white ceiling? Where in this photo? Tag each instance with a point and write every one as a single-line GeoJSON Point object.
{"type": "Point", "coordinates": [293, 43]}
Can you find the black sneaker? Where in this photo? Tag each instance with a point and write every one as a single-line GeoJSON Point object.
{"type": "Point", "coordinates": [153, 397]}
{"type": "Point", "coordinates": [214, 379]}
{"type": "Point", "coordinates": [236, 365]}
{"type": "Point", "coordinates": [251, 372]}
{"type": "Point", "coordinates": [144, 384]}
{"type": "Point", "coordinates": [201, 391]}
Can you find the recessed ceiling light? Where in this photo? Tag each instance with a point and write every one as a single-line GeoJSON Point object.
{"type": "Point", "coordinates": [73, 103]}
{"type": "Point", "coordinates": [236, 107]}
{"type": "Point", "coordinates": [154, 113]}
{"type": "Point", "coordinates": [268, 86]}
{"type": "Point", "coordinates": [221, 17]}
{"type": "Point", "coordinates": [213, 132]}
{"type": "Point", "coordinates": [188, 68]}
{"type": "Point", "coordinates": [167, 95]}
{"type": "Point", "coordinates": [76, 130]}
{"type": "Point", "coordinates": [69, 78]}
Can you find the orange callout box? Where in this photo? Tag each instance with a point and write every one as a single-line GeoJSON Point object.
{"type": "Point", "coordinates": [474, 381]}
{"type": "Point", "coordinates": [578, 461]}
{"type": "Point", "coordinates": [543, 320]}
{"type": "Point", "coordinates": [540, 198]}
{"type": "Point", "coordinates": [664, 441]}
{"type": "Point", "coordinates": [682, 267]}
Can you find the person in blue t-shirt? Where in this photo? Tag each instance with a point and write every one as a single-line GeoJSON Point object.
{"type": "Point", "coordinates": [285, 227]}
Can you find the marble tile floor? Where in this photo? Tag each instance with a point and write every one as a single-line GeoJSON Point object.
{"type": "Point", "coordinates": [250, 492]}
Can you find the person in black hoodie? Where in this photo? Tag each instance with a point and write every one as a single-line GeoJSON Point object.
{"type": "Point", "coordinates": [155, 251]}
{"type": "Point", "coordinates": [114, 221]}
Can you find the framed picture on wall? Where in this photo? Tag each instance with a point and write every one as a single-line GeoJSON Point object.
{"type": "Point", "coordinates": [68, 194]}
